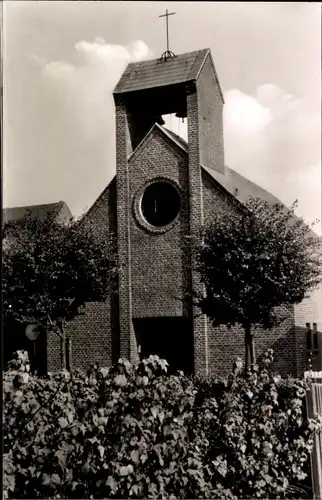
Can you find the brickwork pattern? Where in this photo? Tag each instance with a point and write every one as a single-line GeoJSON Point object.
{"type": "Point", "coordinates": [310, 309]}
{"type": "Point", "coordinates": [159, 264]}
{"type": "Point", "coordinates": [225, 344]}
{"type": "Point", "coordinates": [211, 136]}
{"type": "Point", "coordinates": [128, 345]}
{"type": "Point", "coordinates": [199, 322]}
{"type": "Point", "coordinates": [156, 270]}
{"type": "Point", "coordinates": [94, 335]}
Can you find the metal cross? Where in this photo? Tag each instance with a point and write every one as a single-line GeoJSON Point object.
{"type": "Point", "coordinates": [166, 15]}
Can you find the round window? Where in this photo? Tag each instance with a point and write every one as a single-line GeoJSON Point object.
{"type": "Point", "coordinates": [160, 203]}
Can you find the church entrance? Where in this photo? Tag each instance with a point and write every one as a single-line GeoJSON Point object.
{"type": "Point", "coordinates": [170, 338]}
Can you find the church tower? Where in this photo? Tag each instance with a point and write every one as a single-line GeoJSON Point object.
{"type": "Point", "coordinates": [160, 202]}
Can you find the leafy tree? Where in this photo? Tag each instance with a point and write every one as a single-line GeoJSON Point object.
{"type": "Point", "coordinates": [253, 263]}
{"type": "Point", "coordinates": [51, 269]}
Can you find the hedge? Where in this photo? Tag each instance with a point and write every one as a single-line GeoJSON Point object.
{"type": "Point", "coordinates": [135, 431]}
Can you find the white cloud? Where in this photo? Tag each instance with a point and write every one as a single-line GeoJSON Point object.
{"type": "Point", "coordinates": [245, 114]}
{"type": "Point", "coordinates": [272, 137]}
{"type": "Point", "coordinates": [86, 87]}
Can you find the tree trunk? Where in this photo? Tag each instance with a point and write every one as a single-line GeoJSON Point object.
{"type": "Point", "coordinates": [252, 351]}
{"type": "Point", "coordinates": [62, 337]}
{"type": "Point", "coordinates": [250, 356]}
{"type": "Point", "coordinates": [69, 354]}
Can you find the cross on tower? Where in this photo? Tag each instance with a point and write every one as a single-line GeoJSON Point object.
{"type": "Point", "coordinates": [168, 53]}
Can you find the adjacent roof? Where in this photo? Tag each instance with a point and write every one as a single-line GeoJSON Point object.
{"type": "Point", "coordinates": [41, 211]}
{"type": "Point", "coordinates": [157, 73]}
{"type": "Point", "coordinates": [237, 185]}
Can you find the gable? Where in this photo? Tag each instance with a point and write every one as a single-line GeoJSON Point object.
{"type": "Point", "coordinates": [159, 135]}
{"type": "Point", "coordinates": [103, 211]}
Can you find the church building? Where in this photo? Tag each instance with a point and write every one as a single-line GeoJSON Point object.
{"type": "Point", "coordinates": [164, 190]}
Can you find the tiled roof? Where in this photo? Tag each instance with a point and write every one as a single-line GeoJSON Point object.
{"type": "Point", "coordinates": [157, 73]}
{"type": "Point", "coordinates": [18, 213]}
{"type": "Point", "coordinates": [240, 187]}
{"type": "Point", "coordinates": [174, 137]}
{"type": "Point", "coordinates": [237, 185]}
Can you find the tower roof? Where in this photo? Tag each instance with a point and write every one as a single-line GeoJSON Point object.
{"type": "Point", "coordinates": [157, 73]}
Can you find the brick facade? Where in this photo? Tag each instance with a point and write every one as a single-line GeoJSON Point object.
{"type": "Point", "coordinates": [159, 267]}
{"type": "Point", "coordinates": [211, 135]}
{"type": "Point", "coordinates": [156, 275]}
{"type": "Point", "coordinates": [94, 335]}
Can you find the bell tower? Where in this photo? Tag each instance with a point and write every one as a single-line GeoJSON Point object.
{"type": "Point", "coordinates": [186, 85]}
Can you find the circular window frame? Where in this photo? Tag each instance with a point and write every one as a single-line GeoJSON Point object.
{"type": "Point", "coordinates": [137, 206]}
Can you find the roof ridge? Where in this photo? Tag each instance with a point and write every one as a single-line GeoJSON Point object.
{"type": "Point", "coordinates": [158, 59]}
{"type": "Point", "coordinates": [152, 73]}
{"type": "Point", "coordinates": [36, 205]}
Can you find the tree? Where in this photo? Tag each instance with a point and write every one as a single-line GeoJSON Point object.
{"type": "Point", "coordinates": [253, 261]}
{"type": "Point", "coordinates": [51, 269]}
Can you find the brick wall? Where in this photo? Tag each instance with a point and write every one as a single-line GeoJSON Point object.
{"type": "Point", "coordinates": [159, 267]}
{"type": "Point", "coordinates": [225, 344]}
{"type": "Point", "coordinates": [196, 222]}
{"type": "Point", "coordinates": [310, 310]}
{"type": "Point", "coordinates": [128, 345]}
{"type": "Point", "coordinates": [211, 137]}
{"type": "Point", "coordinates": [94, 335]}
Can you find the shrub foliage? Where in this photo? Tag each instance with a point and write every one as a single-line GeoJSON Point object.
{"type": "Point", "coordinates": [134, 431]}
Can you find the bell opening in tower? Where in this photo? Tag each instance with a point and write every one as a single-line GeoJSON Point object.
{"type": "Point", "coordinates": [177, 124]}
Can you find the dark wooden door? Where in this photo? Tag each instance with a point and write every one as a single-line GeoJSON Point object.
{"type": "Point", "coordinates": [170, 338]}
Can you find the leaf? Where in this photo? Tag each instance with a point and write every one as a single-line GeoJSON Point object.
{"type": "Point", "coordinates": [135, 456]}
{"type": "Point", "coordinates": [10, 482]}
{"type": "Point", "coordinates": [126, 470]}
{"type": "Point", "coordinates": [45, 480]}
{"type": "Point", "coordinates": [70, 417]}
{"type": "Point", "coordinates": [62, 422]}
{"type": "Point", "coordinates": [161, 416]}
{"type": "Point", "coordinates": [154, 411]}
{"type": "Point", "coordinates": [111, 483]}
{"type": "Point", "coordinates": [61, 457]}
{"type": "Point", "coordinates": [268, 478]}
{"type": "Point", "coordinates": [221, 466]}
{"type": "Point", "coordinates": [120, 380]}
{"type": "Point", "coordinates": [101, 450]}
{"type": "Point", "coordinates": [167, 431]}
{"type": "Point", "coordinates": [243, 448]}
{"type": "Point", "coordinates": [55, 479]}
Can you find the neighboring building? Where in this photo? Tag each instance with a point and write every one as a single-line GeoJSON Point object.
{"type": "Point", "coordinates": [59, 211]}
{"type": "Point", "coordinates": [14, 333]}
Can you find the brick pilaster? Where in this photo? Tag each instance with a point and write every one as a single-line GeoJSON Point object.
{"type": "Point", "coordinates": [196, 220]}
{"type": "Point", "coordinates": [128, 348]}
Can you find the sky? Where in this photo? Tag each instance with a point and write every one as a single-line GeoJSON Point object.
{"type": "Point", "coordinates": [62, 59]}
